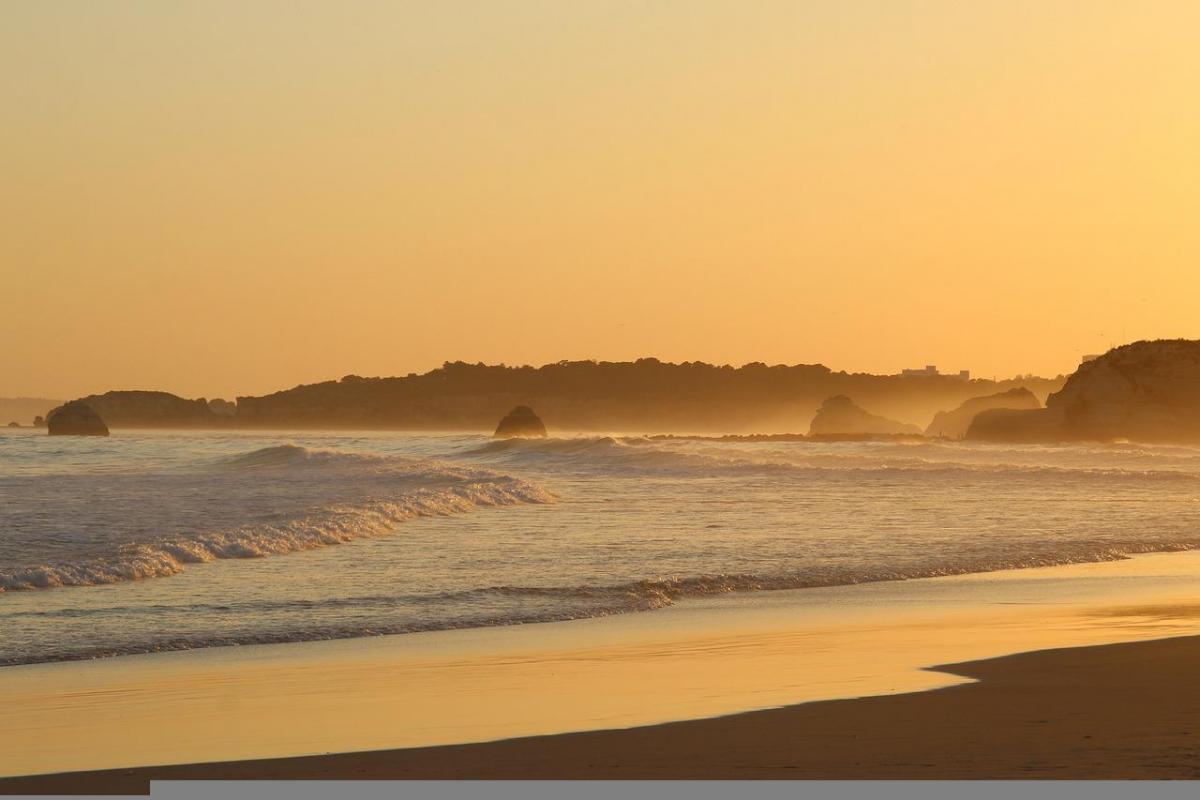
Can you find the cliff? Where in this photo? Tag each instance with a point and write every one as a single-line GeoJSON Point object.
{"type": "Point", "coordinates": [1146, 391]}
{"type": "Point", "coordinates": [954, 424]}
{"type": "Point", "coordinates": [136, 409]}
{"type": "Point", "coordinates": [646, 396]}
{"type": "Point", "coordinates": [839, 415]}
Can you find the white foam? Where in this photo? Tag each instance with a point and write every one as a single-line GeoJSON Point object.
{"type": "Point", "coordinates": [397, 489]}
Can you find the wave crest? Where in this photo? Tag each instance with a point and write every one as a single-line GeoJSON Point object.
{"type": "Point", "coordinates": [401, 489]}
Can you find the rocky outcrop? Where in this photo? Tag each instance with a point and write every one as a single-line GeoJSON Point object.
{"type": "Point", "coordinates": [839, 415]}
{"type": "Point", "coordinates": [132, 409]}
{"type": "Point", "coordinates": [39, 422]}
{"type": "Point", "coordinates": [1013, 425]}
{"type": "Point", "coordinates": [521, 421]}
{"type": "Point", "coordinates": [14, 424]}
{"type": "Point", "coordinates": [75, 419]}
{"type": "Point", "coordinates": [223, 408]}
{"type": "Point", "coordinates": [954, 424]}
{"type": "Point", "coordinates": [1146, 391]}
{"type": "Point", "coordinates": [647, 396]}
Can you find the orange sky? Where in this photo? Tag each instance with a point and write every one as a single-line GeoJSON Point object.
{"type": "Point", "coordinates": [215, 199]}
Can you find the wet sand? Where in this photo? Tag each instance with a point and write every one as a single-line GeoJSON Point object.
{"type": "Point", "coordinates": [764, 678]}
{"type": "Point", "coordinates": [1124, 711]}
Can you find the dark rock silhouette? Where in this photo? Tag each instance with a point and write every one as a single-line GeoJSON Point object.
{"type": "Point", "coordinates": [136, 409]}
{"type": "Point", "coordinates": [14, 424]}
{"type": "Point", "coordinates": [1146, 391]}
{"type": "Point", "coordinates": [75, 419]}
{"type": "Point", "coordinates": [954, 424]}
{"type": "Point", "coordinates": [39, 422]}
{"type": "Point", "coordinates": [1014, 426]}
{"type": "Point", "coordinates": [646, 395]}
{"type": "Point", "coordinates": [221, 407]}
{"type": "Point", "coordinates": [839, 415]}
{"type": "Point", "coordinates": [521, 421]}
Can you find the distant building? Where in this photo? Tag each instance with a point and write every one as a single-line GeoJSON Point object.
{"type": "Point", "coordinates": [931, 370]}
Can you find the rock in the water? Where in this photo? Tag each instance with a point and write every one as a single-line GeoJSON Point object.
{"type": "Point", "coordinates": [1029, 425]}
{"type": "Point", "coordinates": [839, 415]}
{"type": "Point", "coordinates": [521, 421]}
{"type": "Point", "coordinates": [39, 422]}
{"type": "Point", "coordinates": [954, 424]}
{"type": "Point", "coordinates": [1146, 391]}
{"type": "Point", "coordinates": [75, 419]}
{"type": "Point", "coordinates": [14, 424]}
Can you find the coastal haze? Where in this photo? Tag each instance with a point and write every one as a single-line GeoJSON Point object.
{"type": "Point", "coordinates": [646, 396]}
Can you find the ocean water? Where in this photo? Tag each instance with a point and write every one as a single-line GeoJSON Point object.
{"type": "Point", "coordinates": [149, 541]}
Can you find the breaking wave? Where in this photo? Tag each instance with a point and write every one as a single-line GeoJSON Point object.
{"type": "Point", "coordinates": [651, 522]}
{"type": "Point", "coordinates": [297, 499]}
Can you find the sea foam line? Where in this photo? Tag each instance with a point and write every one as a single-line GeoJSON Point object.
{"type": "Point", "coordinates": [603, 600]}
{"type": "Point", "coordinates": [332, 525]}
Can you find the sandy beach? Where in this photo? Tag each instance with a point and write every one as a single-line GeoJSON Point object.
{"type": "Point", "coordinates": [815, 683]}
{"type": "Point", "coordinates": [1128, 711]}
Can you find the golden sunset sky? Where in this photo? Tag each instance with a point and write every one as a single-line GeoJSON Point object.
{"type": "Point", "coordinates": [215, 198]}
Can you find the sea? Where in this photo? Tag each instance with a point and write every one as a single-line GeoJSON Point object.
{"type": "Point", "coordinates": [151, 541]}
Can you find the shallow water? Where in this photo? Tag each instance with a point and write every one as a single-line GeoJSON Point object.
{"type": "Point", "coordinates": [153, 541]}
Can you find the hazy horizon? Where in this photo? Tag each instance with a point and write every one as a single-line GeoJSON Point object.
{"type": "Point", "coordinates": [222, 199]}
{"type": "Point", "coordinates": [234, 394]}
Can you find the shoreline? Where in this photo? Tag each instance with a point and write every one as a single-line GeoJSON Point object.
{"type": "Point", "coordinates": [722, 658]}
{"type": "Point", "coordinates": [1117, 711]}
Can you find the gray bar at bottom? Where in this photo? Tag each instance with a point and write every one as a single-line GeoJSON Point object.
{"type": "Point", "coordinates": [675, 790]}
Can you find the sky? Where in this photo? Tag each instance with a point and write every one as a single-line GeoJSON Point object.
{"type": "Point", "coordinates": [222, 198]}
